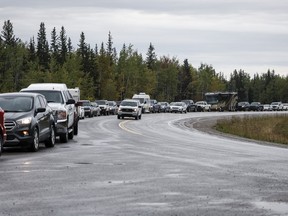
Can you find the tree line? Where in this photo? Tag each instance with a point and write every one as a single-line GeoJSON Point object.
{"type": "Point", "coordinates": [103, 73]}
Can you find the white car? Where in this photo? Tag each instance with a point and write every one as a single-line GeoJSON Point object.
{"type": "Point", "coordinates": [277, 106]}
{"type": "Point", "coordinates": [130, 108]}
{"type": "Point", "coordinates": [267, 107]}
{"type": "Point", "coordinates": [285, 106]}
{"type": "Point", "coordinates": [178, 107]}
{"type": "Point", "coordinates": [203, 106]}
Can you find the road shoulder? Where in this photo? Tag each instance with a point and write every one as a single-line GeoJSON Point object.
{"type": "Point", "coordinates": [207, 125]}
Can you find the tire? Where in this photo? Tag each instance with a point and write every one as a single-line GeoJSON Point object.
{"type": "Point", "coordinates": [140, 116]}
{"type": "Point", "coordinates": [50, 142]}
{"type": "Point", "coordinates": [35, 144]}
{"type": "Point", "coordinates": [64, 137]}
{"type": "Point", "coordinates": [76, 128]}
{"type": "Point", "coordinates": [118, 116]}
{"type": "Point", "coordinates": [71, 135]}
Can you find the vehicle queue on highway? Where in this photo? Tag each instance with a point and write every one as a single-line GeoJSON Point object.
{"type": "Point", "coordinates": [43, 111]}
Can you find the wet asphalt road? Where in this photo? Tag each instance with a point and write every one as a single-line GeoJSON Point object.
{"type": "Point", "coordinates": [153, 166]}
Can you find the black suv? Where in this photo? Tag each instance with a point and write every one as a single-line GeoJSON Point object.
{"type": "Point", "coordinates": [28, 120]}
{"type": "Point", "coordinates": [191, 106]}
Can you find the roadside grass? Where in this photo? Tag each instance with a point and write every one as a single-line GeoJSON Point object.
{"type": "Point", "coordinates": [270, 128]}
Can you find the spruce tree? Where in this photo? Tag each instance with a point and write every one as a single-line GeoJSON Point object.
{"type": "Point", "coordinates": [63, 46]}
{"type": "Point", "coordinates": [8, 34]}
{"type": "Point", "coordinates": [43, 48]}
{"type": "Point", "coordinates": [32, 50]}
{"type": "Point", "coordinates": [151, 58]}
{"type": "Point", "coordinates": [54, 45]}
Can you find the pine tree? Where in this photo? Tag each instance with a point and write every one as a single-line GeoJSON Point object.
{"type": "Point", "coordinates": [83, 53]}
{"type": "Point", "coordinates": [54, 45]}
{"type": "Point", "coordinates": [32, 50]}
{"type": "Point", "coordinates": [151, 57]}
{"type": "Point", "coordinates": [43, 48]}
{"type": "Point", "coordinates": [185, 78]}
{"type": "Point", "coordinates": [8, 34]}
{"type": "Point", "coordinates": [63, 46]}
{"type": "Point", "coordinates": [69, 47]}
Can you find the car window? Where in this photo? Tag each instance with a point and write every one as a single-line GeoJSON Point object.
{"type": "Point", "coordinates": [37, 103]}
{"type": "Point", "coordinates": [43, 102]}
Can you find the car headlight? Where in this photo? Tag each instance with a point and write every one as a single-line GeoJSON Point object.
{"type": "Point", "coordinates": [24, 121]}
{"type": "Point", "coordinates": [61, 115]}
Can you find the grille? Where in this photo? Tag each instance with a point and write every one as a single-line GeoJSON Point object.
{"type": "Point", "coordinates": [9, 125]}
{"type": "Point", "coordinates": [127, 110]}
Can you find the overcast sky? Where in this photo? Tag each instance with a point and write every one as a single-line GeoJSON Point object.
{"type": "Point", "coordinates": [251, 35]}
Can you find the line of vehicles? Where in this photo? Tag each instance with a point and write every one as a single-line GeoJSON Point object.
{"type": "Point", "coordinates": [37, 114]}
{"type": "Point", "coordinates": [257, 106]}
{"type": "Point", "coordinates": [43, 111]}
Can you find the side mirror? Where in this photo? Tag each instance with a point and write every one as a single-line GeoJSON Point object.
{"type": "Point", "coordinates": [70, 101]}
{"type": "Point", "coordinates": [41, 109]}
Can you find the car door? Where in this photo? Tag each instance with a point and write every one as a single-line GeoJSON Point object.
{"type": "Point", "coordinates": [43, 118]}
{"type": "Point", "coordinates": [70, 109]}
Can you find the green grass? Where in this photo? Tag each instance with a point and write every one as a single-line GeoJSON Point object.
{"type": "Point", "coordinates": [270, 128]}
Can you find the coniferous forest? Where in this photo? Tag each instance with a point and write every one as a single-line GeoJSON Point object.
{"type": "Point", "coordinates": [102, 72]}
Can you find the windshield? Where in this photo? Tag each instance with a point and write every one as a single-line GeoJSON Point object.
{"type": "Point", "coordinates": [51, 96]}
{"type": "Point", "coordinates": [128, 103]}
{"type": "Point", "coordinates": [140, 99]}
{"type": "Point", "coordinates": [86, 103]}
{"type": "Point", "coordinates": [16, 104]}
{"type": "Point", "coordinates": [178, 104]}
{"type": "Point", "coordinates": [101, 102]}
{"type": "Point", "coordinates": [212, 99]}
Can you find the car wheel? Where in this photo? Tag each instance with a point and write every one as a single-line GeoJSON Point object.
{"type": "Point", "coordinates": [76, 128]}
{"type": "Point", "coordinates": [35, 143]}
{"type": "Point", "coordinates": [140, 116]}
{"type": "Point", "coordinates": [50, 142]}
{"type": "Point", "coordinates": [118, 116]}
{"type": "Point", "coordinates": [136, 117]}
{"type": "Point", "coordinates": [71, 135]}
{"type": "Point", "coordinates": [64, 137]}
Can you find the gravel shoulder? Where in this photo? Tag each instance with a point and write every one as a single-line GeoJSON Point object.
{"type": "Point", "coordinates": [207, 125]}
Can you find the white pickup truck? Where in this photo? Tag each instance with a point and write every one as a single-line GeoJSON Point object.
{"type": "Point", "coordinates": [203, 106]}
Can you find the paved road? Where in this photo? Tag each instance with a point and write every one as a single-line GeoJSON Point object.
{"type": "Point", "coordinates": [154, 166]}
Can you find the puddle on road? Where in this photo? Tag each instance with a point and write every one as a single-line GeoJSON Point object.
{"type": "Point", "coordinates": [281, 208]}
